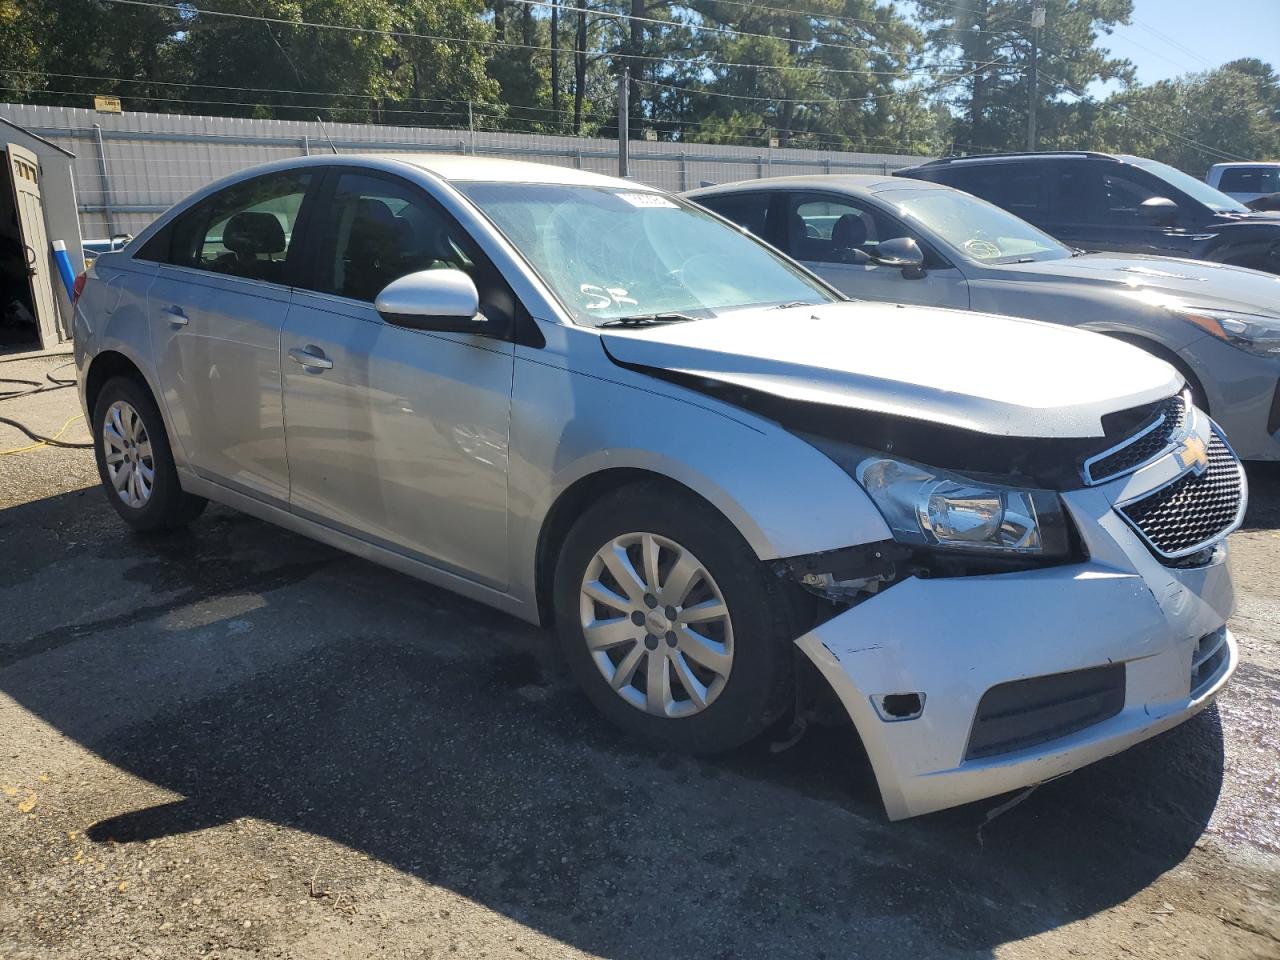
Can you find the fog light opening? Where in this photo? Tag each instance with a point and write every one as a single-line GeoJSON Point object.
{"type": "Point", "coordinates": [893, 707]}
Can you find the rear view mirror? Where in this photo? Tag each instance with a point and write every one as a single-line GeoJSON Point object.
{"type": "Point", "coordinates": [1158, 210]}
{"type": "Point", "coordinates": [901, 252]}
{"type": "Point", "coordinates": [444, 300]}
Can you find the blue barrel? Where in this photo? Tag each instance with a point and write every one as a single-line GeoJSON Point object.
{"type": "Point", "coordinates": [63, 260]}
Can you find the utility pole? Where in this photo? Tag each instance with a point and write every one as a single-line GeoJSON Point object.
{"type": "Point", "coordinates": [624, 119]}
{"type": "Point", "coordinates": [1033, 75]}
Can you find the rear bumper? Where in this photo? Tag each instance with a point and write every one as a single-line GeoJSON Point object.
{"type": "Point", "coordinates": [954, 639]}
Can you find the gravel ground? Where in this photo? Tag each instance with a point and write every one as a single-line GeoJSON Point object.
{"type": "Point", "coordinates": [232, 741]}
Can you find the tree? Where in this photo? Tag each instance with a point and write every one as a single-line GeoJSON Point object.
{"type": "Point", "coordinates": [1195, 121]}
{"type": "Point", "coordinates": [988, 43]}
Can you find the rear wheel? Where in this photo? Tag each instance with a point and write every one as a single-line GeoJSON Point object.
{"type": "Point", "coordinates": [135, 462]}
{"type": "Point", "coordinates": [673, 627]}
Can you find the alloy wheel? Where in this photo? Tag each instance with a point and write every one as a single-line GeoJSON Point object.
{"type": "Point", "coordinates": [656, 624]}
{"type": "Point", "coordinates": [127, 448]}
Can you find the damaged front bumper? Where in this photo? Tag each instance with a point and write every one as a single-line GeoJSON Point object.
{"type": "Point", "coordinates": [1127, 648]}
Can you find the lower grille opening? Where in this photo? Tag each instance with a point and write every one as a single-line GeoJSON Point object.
{"type": "Point", "coordinates": [1209, 659]}
{"type": "Point", "coordinates": [1024, 713]}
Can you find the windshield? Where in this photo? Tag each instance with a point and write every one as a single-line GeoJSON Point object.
{"type": "Point", "coordinates": [1215, 200]}
{"type": "Point", "coordinates": [979, 230]}
{"type": "Point", "coordinates": [611, 252]}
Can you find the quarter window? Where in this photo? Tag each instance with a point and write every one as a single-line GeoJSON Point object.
{"type": "Point", "coordinates": [244, 231]}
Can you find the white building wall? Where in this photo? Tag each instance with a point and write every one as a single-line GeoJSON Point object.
{"type": "Point", "coordinates": [152, 160]}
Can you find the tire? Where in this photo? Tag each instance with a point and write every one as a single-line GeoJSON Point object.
{"type": "Point", "coordinates": [763, 617]}
{"type": "Point", "coordinates": [135, 462]}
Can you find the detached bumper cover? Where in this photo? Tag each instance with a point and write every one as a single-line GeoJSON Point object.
{"type": "Point", "coordinates": [955, 639]}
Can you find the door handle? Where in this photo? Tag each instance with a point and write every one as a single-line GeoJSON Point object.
{"type": "Point", "coordinates": [176, 315]}
{"type": "Point", "coordinates": [312, 358]}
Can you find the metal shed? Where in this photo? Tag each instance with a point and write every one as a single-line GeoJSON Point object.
{"type": "Point", "coordinates": [37, 208]}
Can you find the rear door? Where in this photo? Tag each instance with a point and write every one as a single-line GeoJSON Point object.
{"type": "Point", "coordinates": [834, 235]}
{"type": "Point", "coordinates": [397, 436]}
{"type": "Point", "coordinates": [24, 174]}
{"type": "Point", "coordinates": [215, 309]}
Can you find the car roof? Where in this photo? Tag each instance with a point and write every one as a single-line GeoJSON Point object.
{"type": "Point", "coordinates": [1022, 156]}
{"type": "Point", "coordinates": [856, 183]}
{"type": "Point", "coordinates": [1246, 163]}
{"type": "Point", "coordinates": [462, 169]}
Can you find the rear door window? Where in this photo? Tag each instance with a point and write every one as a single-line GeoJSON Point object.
{"type": "Point", "coordinates": [246, 230]}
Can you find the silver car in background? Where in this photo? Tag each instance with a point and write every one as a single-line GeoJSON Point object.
{"type": "Point", "coordinates": [912, 241]}
{"type": "Point", "coordinates": [737, 495]}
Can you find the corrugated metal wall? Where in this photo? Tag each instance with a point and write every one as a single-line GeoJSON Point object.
{"type": "Point", "coordinates": [131, 166]}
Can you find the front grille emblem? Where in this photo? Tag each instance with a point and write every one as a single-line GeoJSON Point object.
{"type": "Point", "coordinates": [1193, 455]}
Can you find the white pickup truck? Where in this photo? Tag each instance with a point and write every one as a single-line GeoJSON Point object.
{"type": "Point", "coordinates": [1245, 182]}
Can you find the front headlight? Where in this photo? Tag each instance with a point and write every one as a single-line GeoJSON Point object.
{"type": "Point", "coordinates": [1248, 331]}
{"type": "Point", "coordinates": [934, 509]}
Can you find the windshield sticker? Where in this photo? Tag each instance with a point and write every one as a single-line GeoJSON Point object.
{"type": "Point", "coordinates": [648, 200]}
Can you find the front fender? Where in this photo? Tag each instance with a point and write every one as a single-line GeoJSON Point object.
{"type": "Point", "coordinates": [783, 495]}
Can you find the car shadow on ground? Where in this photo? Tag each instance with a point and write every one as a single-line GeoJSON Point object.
{"type": "Point", "coordinates": [484, 771]}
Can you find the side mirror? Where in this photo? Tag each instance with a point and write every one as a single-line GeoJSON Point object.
{"type": "Point", "coordinates": [902, 252]}
{"type": "Point", "coordinates": [442, 300]}
{"type": "Point", "coordinates": [1160, 211]}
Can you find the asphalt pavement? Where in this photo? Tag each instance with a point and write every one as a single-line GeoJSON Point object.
{"type": "Point", "coordinates": [232, 742]}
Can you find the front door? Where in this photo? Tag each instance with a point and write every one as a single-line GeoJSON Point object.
{"type": "Point", "coordinates": [835, 237]}
{"type": "Point", "coordinates": [396, 436]}
{"type": "Point", "coordinates": [215, 309]}
{"type": "Point", "coordinates": [24, 174]}
{"type": "Point", "coordinates": [1098, 206]}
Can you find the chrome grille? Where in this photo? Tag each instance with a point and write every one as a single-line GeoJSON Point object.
{"type": "Point", "coordinates": [1160, 432]}
{"type": "Point", "coordinates": [1188, 515]}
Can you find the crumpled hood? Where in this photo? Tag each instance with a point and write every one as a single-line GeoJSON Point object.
{"type": "Point", "coordinates": [1167, 280]}
{"type": "Point", "coordinates": [996, 375]}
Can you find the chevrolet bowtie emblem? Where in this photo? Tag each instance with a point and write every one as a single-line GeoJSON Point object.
{"type": "Point", "coordinates": [1193, 455]}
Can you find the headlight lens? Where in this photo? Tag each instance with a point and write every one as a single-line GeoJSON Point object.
{"type": "Point", "coordinates": [1248, 331]}
{"type": "Point", "coordinates": [929, 508]}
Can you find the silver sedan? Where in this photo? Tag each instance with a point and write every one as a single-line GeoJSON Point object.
{"type": "Point", "coordinates": [911, 241]}
{"type": "Point", "coordinates": [738, 496]}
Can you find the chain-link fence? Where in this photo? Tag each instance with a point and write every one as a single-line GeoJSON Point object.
{"type": "Point", "coordinates": [129, 167]}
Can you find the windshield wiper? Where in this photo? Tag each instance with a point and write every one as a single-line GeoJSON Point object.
{"type": "Point", "coordinates": [646, 320]}
{"type": "Point", "coordinates": [793, 303]}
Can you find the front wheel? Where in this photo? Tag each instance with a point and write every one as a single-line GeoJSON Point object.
{"type": "Point", "coordinates": [135, 462]}
{"type": "Point", "coordinates": [670, 623]}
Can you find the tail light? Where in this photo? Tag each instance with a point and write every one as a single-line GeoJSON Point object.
{"type": "Point", "coordinates": [77, 288]}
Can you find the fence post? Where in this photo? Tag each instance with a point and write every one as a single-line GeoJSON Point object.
{"type": "Point", "coordinates": [759, 167]}
{"type": "Point", "coordinates": [684, 173]}
{"type": "Point", "coordinates": [462, 147]}
{"type": "Point", "coordinates": [106, 181]}
{"type": "Point", "coordinates": [624, 121]}
{"type": "Point", "coordinates": [828, 163]}
{"type": "Point", "coordinates": [306, 146]}
{"type": "Point", "coordinates": [577, 159]}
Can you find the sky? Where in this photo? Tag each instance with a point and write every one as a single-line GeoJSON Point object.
{"type": "Point", "coordinates": [1166, 38]}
